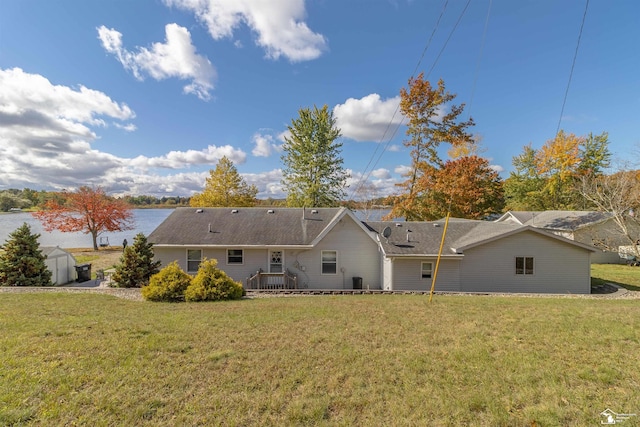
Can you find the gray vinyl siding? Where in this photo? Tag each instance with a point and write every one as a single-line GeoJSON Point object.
{"type": "Point", "coordinates": [407, 275]}
{"type": "Point", "coordinates": [357, 256]}
{"type": "Point", "coordinates": [558, 267]}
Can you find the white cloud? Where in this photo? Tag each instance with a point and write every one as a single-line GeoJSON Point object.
{"type": "Point", "coordinates": [394, 148]}
{"type": "Point", "coordinates": [279, 28]}
{"type": "Point", "coordinates": [176, 57]}
{"type": "Point", "coordinates": [129, 127]}
{"type": "Point", "coordinates": [381, 173]}
{"type": "Point", "coordinates": [402, 170]}
{"type": "Point", "coordinates": [497, 168]}
{"type": "Point", "coordinates": [369, 118]}
{"type": "Point", "coordinates": [264, 145]}
{"type": "Point", "coordinates": [46, 133]}
{"type": "Point", "coordinates": [182, 159]}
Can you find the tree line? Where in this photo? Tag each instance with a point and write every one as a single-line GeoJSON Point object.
{"type": "Point", "coordinates": [447, 174]}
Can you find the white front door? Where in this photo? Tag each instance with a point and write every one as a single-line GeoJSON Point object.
{"type": "Point", "coordinates": [276, 261]}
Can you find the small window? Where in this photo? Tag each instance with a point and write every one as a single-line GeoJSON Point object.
{"type": "Point", "coordinates": [275, 262]}
{"type": "Point", "coordinates": [329, 262]}
{"type": "Point", "coordinates": [194, 257]}
{"type": "Point", "coordinates": [524, 265]}
{"type": "Point", "coordinates": [235, 256]}
{"type": "Point", "coordinates": [427, 270]}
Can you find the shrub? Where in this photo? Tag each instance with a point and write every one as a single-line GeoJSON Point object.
{"type": "Point", "coordinates": [22, 262]}
{"type": "Point", "coordinates": [212, 284]}
{"type": "Point", "coordinates": [167, 285]}
{"type": "Point", "coordinates": [136, 264]}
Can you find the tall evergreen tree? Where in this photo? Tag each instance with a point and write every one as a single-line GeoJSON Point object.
{"type": "Point", "coordinates": [22, 262]}
{"type": "Point", "coordinates": [225, 187]}
{"type": "Point", "coordinates": [313, 172]}
{"type": "Point", "coordinates": [136, 264]}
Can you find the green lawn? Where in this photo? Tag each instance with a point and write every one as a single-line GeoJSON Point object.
{"type": "Point", "coordinates": [85, 359]}
{"type": "Point", "coordinates": [620, 274]}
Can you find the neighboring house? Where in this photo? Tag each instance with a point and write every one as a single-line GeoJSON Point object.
{"type": "Point", "coordinates": [61, 264]}
{"type": "Point", "coordinates": [589, 227]}
{"type": "Point", "coordinates": [329, 248]}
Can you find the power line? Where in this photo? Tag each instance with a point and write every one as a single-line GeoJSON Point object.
{"type": "Point", "coordinates": [365, 174]}
{"type": "Point", "coordinates": [573, 64]}
{"type": "Point", "coordinates": [475, 78]}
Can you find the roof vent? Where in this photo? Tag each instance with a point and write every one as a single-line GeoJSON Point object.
{"type": "Point", "coordinates": [270, 211]}
{"type": "Point", "coordinates": [398, 224]}
{"type": "Point", "coordinates": [234, 210]}
{"type": "Point", "coordinates": [436, 224]}
{"type": "Point", "coordinates": [314, 211]}
{"type": "Point", "coordinates": [199, 210]}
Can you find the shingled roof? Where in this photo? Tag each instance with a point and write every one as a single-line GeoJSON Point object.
{"type": "Point", "coordinates": [246, 227]}
{"type": "Point", "coordinates": [423, 238]}
{"type": "Point", "coordinates": [555, 220]}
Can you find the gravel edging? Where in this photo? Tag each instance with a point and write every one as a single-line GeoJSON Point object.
{"type": "Point", "coordinates": [133, 294]}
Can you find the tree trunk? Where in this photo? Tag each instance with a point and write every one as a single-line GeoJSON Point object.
{"type": "Point", "coordinates": [94, 236]}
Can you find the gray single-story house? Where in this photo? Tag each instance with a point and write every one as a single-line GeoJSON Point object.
{"type": "Point", "coordinates": [329, 248]}
{"type": "Point", "coordinates": [590, 227]}
{"type": "Point", "coordinates": [61, 264]}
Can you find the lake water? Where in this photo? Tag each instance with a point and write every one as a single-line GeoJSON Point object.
{"type": "Point", "coordinates": [144, 221]}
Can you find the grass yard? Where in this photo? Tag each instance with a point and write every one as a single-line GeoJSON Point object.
{"type": "Point", "coordinates": [620, 274]}
{"type": "Point", "coordinates": [87, 359]}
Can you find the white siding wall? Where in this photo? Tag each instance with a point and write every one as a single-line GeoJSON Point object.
{"type": "Point", "coordinates": [558, 267]}
{"type": "Point", "coordinates": [407, 275]}
{"type": "Point", "coordinates": [357, 256]}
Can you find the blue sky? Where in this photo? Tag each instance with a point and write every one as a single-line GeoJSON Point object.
{"type": "Point", "coordinates": [144, 97]}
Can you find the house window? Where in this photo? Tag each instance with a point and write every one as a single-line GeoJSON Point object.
{"type": "Point", "coordinates": [524, 265]}
{"type": "Point", "coordinates": [329, 262]}
{"type": "Point", "coordinates": [194, 257]}
{"type": "Point", "coordinates": [275, 262]}
{"type": "Point", "coordinates": [426, 270]}
{"type": "Point", "coordinates": [234, 256]}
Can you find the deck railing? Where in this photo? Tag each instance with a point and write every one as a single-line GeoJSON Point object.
{"type": "Point", "coordinates": [262, 280]}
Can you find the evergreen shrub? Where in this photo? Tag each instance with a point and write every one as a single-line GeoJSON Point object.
{"type": "Point", "coordinates": [212, 284]}
{"type": "Point", "coordinates": [22, 263]}
{"type": "Point", "coordinates": [136, 264]}
{"type": "Point", "coordinates": [167, 285]}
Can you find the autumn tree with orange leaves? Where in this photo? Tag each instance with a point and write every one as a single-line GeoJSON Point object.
{"type": "Point", "coordinates": [433, 121]}
{"type": "Point", "coordinates": [466, 187]}
{"type": "Point", "coordinates": [87, 210]}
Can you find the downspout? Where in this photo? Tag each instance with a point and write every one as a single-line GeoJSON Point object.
{"type": "Point", "coordinates": [435, 273]}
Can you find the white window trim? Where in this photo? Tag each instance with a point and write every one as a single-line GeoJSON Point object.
{"type": "Point", "coordinates": [422, 270]}
{"type": "Point", "coordinates": [235, 263]}
{"type": "Point", "coordinates": [269, 259]}
{"type": "Point", "coordinates": [322, 262]}
{"type": "Point", "coordinates": [524, 266]}
{"type": "Point", "coordinates": [193, 260]}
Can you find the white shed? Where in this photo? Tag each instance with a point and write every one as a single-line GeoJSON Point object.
{"type": "Point", "coordinates": [61, 264]}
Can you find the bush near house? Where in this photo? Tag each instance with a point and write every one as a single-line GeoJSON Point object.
{"type": "Point", "coordinates": [167, 285]}
{"type": "Point", "coordinates": [212, 284]}
{"type": "Point", "coordinates": [172, 284]}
